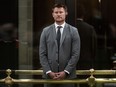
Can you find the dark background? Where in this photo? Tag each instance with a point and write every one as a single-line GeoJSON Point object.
{"type": "Point", "coordinates": [100, 15]}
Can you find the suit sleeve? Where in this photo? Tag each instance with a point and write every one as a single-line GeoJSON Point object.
{"type": "Point", "coordinates": [75, 52]}
{"type": "Point", "coordinates": [94, 47]}
{"type": "Point", "coordinates": [43, 52]}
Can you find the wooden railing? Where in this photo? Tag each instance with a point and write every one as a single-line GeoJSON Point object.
{"type": "Point", "coordinates": [91, 80]}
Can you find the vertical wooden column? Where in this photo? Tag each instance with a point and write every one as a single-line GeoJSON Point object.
{"type": "Point", "coordinates": [25, 36]}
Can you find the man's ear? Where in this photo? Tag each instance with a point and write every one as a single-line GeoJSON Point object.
{"type": "Point", "coordinates": [66, 13]}
{"type": "Point", "coordinates": [52, 14]}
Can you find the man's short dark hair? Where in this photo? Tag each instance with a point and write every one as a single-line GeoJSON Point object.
{"type": "Point", "coordinates": [59, 5]}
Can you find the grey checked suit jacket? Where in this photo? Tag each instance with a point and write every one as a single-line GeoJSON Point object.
{"type": "Point", "coordinates": [68, 53]}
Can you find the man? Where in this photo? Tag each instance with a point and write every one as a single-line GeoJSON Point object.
{"type": "Point", "coordinates": [59, 57]}
{"type": "Point", "coordinates": [88, 40]}
{"type": "Point", "coordinates": [88, 43]}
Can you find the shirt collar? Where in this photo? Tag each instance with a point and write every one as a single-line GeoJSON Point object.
{"type": "Point", "coordinates": [56, 25]}
{"type": "Point", "coordinates": [80, 19]}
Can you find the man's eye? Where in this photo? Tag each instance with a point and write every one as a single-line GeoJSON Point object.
{"type": "Point", "coordinates": [56, 12]}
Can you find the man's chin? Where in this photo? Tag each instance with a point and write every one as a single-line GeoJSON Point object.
{"type": "Point", "coordinates": [59, 20]}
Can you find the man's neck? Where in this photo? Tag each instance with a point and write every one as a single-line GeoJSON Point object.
{"type": "Point", "coordinates": [80, 19]}
{"type": "Point", "coordinates": [60, 23]}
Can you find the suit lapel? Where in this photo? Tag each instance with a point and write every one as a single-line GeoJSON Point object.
{"type": "Point", "coordinates": [64, 34]}
{"type": "Point", "coordinates": [54, 34]}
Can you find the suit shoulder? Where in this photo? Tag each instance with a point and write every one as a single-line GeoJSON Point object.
{"type": "Point", "coordinates": [88, 25]}
{"type": "Point", "coordinates": [47, 28]}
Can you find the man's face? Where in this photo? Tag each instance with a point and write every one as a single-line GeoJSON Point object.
{"type": "Point", "coordinates": [59, 14]}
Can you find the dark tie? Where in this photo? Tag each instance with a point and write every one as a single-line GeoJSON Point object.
{"type": "Point", "coordinates": [58, 36]}
{"type": "Point", "coordinates": [58, 42]}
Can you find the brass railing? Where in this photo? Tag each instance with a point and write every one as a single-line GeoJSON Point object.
{"type": "Point", "coordinates": [91, 80]}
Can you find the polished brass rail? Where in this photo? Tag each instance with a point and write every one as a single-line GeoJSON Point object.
{"type": "Point", "coordinates": [78, 72]}
{"type": "Point", "coordinates": [40, 81]}
{"type": "Point", "coordinates": [91, 80]}
{"type": "Point", "coordinates": [29, 72]}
